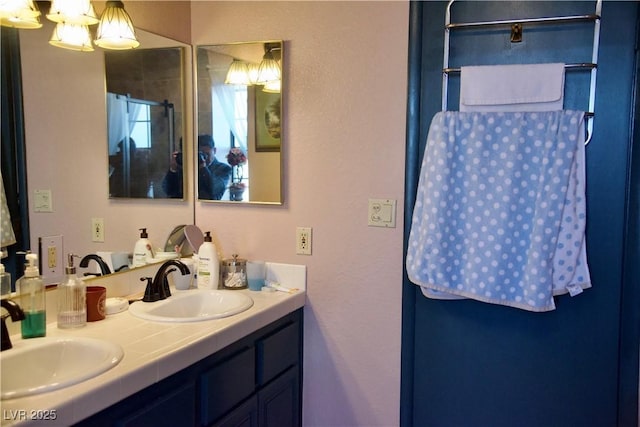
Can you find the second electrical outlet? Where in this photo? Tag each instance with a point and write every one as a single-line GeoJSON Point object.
{"type": "Point", "coordinates": [97, 229]}
{"type": "Point", "coordinates": [303, 240]}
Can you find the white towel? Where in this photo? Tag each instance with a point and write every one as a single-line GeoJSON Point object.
{"type": "Point", "coordinates": [518, 87]}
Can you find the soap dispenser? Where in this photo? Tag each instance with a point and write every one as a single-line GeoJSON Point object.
{"type": "Point", "coordinates": [5, 281]}
{"type": "Point", "coordinates": [208, 264]}
{"type": "Point", "coordinates": [32, 300]}
{"type": "Point", "coordinates": [143, 250]}
{"type": "Point", "coordinates": [72, 299]}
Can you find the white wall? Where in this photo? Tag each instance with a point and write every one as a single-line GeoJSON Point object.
{"type": "Point", "coordinates": [344, 140]}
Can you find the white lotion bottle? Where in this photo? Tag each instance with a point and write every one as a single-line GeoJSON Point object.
{"type": "Point", "coordinates": [208, 264]}
{"type": "Point", "coordinates": [143, 250]}
{"type": "Point", "coordinates": [72, 299]}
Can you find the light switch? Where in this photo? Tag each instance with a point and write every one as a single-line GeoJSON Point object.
{"type": "Point", "coordinates": [382, 213]}
{"type": "Point", "coordinates": [42, 201]}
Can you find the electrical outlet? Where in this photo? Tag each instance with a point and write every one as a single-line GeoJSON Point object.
{"type": "Point", "coordinates": [51, 256]}
{"type": "Point", "coordinates": [97, 229]}
{"type": "Point", "coordinates": [303, 240]}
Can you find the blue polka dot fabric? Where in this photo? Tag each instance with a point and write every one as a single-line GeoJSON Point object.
{"type": "Point", "coordinates": [500, 210]}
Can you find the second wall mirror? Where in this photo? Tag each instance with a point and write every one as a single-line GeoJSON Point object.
{"type": "Point", "coordinates": [145, 120]}
{"type": "Point", "coordinates": [239, 122]}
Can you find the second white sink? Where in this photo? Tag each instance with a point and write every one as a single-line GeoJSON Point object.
{"type": "Point", "coordinates": [193, 306]}
{"type": "Point", "coordinates": [39, 365]}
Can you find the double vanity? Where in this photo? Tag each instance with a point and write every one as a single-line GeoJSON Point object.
{"type": "Point", "coordinates": [155, 365]}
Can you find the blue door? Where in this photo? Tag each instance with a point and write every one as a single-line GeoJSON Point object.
{"type": "Point", "coordinates": [467, 363]}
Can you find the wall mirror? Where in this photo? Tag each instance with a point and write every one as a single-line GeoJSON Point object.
{"type": "Point", "coordinates": [64, 103]}
{"type": "Point", "coordinates": [239, 122]}
{"type": "Point", "coordinates": [144, 121]}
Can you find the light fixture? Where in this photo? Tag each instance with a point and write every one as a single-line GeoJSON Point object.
{"type": "Point", "coordinates": [254, 72]}
{"type": "Point", "coordinates": [238, 73]}
{"type": "Point", "coordinates": [70, 36]}
{"type": "Point", "coordinates": [115, 30]}
{"type": "Point", "coordinates": [273, 86]}
{"type": "Point", "coordinates": [19, 14]}
{"type": "Point", "coordinates": [269, 69]}
{"type": "Point", "coordinates": [76, 12]}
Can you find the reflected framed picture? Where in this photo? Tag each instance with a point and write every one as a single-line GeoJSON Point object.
{"type": "Point", "coordinates": [268, 112]}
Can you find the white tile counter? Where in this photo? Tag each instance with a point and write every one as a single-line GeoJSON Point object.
{"type": "Point", "coordinates": [152, 352]}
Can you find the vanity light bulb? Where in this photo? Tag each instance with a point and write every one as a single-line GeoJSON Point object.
{"type": "Point", "coordinates": [238, 74]}
{"type": "Point", "coordinates": [272, 86]}
{"type": "Point", "coordinates": [269, 69]}
{"type": "Point", "coordinates": [19, 14]}
{"type": "Point", "coordinates": [74, 37]}
{"type": "Point", "coordinates": [116, 30]}
{"type": "Point", "coordinates": [79, 12]}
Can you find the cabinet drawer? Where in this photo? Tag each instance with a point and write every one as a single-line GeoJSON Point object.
{"type": "Point", "coordinates": [230, 382]}
{"type": "Point", "coordinates": [277, 352]}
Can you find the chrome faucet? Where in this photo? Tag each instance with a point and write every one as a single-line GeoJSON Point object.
{"type": "Point", "coordinates": [158, 287]}
{"type": "Point", "coordinates": [16, 314]}
{"type": "Point", "coordinates": [104, 268]}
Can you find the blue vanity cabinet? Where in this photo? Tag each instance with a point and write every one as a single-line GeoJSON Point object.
{"type": "Point", "coordinates": [254, 382]}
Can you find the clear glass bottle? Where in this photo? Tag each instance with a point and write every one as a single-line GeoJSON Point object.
{"type": "Point", "coordinates": [72, 299]}
{"type": "Point", "coordinates": [32, 300]}
{"type": "Point", "coordinates": [5, 281]}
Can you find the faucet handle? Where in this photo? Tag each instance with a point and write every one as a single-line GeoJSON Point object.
{"type": "Point", "coordinates": [16, 314]}
{"type": "Point", "coordinates": [151, 294]}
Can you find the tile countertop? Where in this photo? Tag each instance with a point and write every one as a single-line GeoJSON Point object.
{"type": "Point", "coordinates": [152, 351]}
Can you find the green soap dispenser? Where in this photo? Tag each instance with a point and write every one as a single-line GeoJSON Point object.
{"type": "Point", "coordinates": [32, 300]}
{"type": "Point", "coordinates": [72, 299]}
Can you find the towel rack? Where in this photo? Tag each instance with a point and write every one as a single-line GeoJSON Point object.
{"type": "Point", "coordinates": [516, 35]}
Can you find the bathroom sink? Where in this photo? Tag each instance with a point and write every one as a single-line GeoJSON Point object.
{"type": "Point", "coordinates": [40, 365]}
{"type": "Point", "coordinates": [193, 306]}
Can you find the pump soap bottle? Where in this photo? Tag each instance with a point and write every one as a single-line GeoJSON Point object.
{"type": "Point", "coordinates": [32, 299]}
{"type": "Point", "coordinates": [72, 299]}
{"type": "Point", "coordinates": [208, 264]}
{"type": "Point", "coordinates": [143, 250]}
{"type": "Point", "coordinates": [5, 281]}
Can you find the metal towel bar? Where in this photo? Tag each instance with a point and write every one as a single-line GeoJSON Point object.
{"type": "Point", "coordinates": [593, 65]}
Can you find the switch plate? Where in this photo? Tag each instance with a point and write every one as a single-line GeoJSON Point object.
{"type": "Point", "coordinates": [97, 229]}
{"type": "Point", "coordinates": [303, 240]}
{"type": "Point", "coordinates": [382, 213]}
{"type": "Point", "coordinates": [51, 258]}
{"type": "Point", "coordinates": [42, 201]}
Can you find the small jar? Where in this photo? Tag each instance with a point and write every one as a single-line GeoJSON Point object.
{"type": "Point", "coordinates": [233, 273]}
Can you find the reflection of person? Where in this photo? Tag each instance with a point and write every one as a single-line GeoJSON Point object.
{"type": "Point", "coordinates": [172, 182]}
{"type": "Point", "coordinates": [213, 176]}
{"type": "Point", "coordinates": [137, 179]}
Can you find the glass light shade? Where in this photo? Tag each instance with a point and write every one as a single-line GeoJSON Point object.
{"type": "Point", "coordinates": [254, 72]}
{"type": "Point", "coordinates": [269, 69]}
{"type": "Point", "coordinates": [78, 12]}
{"type": "Point", "coordinates": [273, 86]}
{"type": "Point", "coordinates": [74, 37]}
{"type": "Point", "coordinates": [115, 30]}
{"type": "Point", "coordinates": [238, 74]}
{"type": "Point", "coordinates": [19, 14]}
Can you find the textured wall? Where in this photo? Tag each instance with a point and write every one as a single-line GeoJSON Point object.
{"type": "Point", "coordinates": [344, 143]}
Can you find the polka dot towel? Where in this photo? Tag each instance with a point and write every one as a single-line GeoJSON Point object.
{"type": "Point", "coordinates": [500, 211]}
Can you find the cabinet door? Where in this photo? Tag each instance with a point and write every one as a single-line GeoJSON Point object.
{"type": "Point", "coordinates": [245, 415]}
{"type": "Point", "coordinates": [172, 409]}
{"type": "Point", "coordinates": [277, 351]}
{"type": "Point", "coordinates": [279, 402]}
{"type": "Point", "coordinates": [227, 384]}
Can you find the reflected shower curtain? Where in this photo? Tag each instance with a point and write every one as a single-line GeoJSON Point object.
{"type": "Point", "coordinates": [225, 96]}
